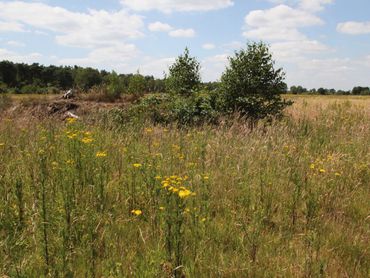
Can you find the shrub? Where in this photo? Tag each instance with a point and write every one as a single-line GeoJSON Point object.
{"type": "Point", "coordinates": [184, 75]}
{"type": "Point", "coordinates": [3, 88]}
{"type": "Point", "coordinates": [32, 89]}
{"type": "Point", "coordinates": [115, 85]}
{"type": "Point", "coordinates": [137, 84]}
{"type": "Point", "coordinates": [251, 85]}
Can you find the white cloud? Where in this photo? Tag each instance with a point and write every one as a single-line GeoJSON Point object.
{"type": "Point", "coordinates": [214, 66]}
{"type": "Point", "coordinates": [156, 67]}
{"type": "Point", "coordinates": [93, 28]}
{"type": "Point", "coordinates": [294, 51]}
{"type": "Point", "coordinates": [208, 46]}
{"type": "Point", "coordinates": [168, 6]}
{"type": "Point", "coordinates": [15, 43]}
{"type": "Point", "coordinates": [182, 33]}
{"type": "Point", "coordinates": [314, 5]}
{"type": "Point", "coordinates": [234, 45]}
{"type": "Point", "coordinates": [109, 57]}
{"type": "Point", "coordinates": [354, 27]}
{"type": "Point", "coordinates": [325, 72]}
{"type": "Point", "coordinates": [308, 5]}
{"type": "Point", "coordinates": [11, 27]}
{"type": "Point", "coordinates": [6, 54]}
{"type": "Point", "coordinates": [279, 23]}
{"type": "Point", "coordinates": [159, 27]}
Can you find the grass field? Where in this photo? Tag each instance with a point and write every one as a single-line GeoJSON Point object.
{"type": "Point", "coordinates": [291, 199]}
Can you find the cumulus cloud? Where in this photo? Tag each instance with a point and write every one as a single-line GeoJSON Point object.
{"type": "Point", "coordinates": [214, 66]}
{"type": "Point", "coordinates": [11, 27]}
{"type": "Point", "coordinates": [354, 27]}
{"type": "Point", "coordinates": [293, 51]}
{"type": "Point", "coordinates": [314, 5]}
{"type": "Point", "coordinates": [279, 23]}
{"type": "Point", "coordinates": [110, 57]}
{"type": "Point", "coordinates": [155, 66]}
{"type": "Point", "coordinates": [208, 46]}
{"type": "Point", "coordinates": [182, 33]}
{"type": "Point", "coordinates": [168, 6]}
{"type": "Point", "coordinates": [6, 54]}
{"type": "Point", "coordinates": [308, 5]}
{"type": "Point", "coordinates": [15, 43]}
{"type": "Point", "coordinates": [159, 27]}
{"type": "Point", "coordinates": [90, 29]}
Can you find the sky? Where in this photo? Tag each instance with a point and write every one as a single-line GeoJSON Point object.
{"type": "Point", "coordinates": [318, 43]}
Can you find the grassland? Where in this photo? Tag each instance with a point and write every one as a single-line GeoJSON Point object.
{"type": "Point", "coordinates": [291, 199]}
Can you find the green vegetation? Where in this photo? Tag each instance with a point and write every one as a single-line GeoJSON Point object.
{"type": "Point", "coordinates": [252, 86]}
{"type": "Point", "coordinates": [199, 181]}
{"type": "Point", "coordinates": [39, 79]}
{"type": "Point", "coordinates": [290, 199]}
{"type": "Point", "coordinates": [184, 75]}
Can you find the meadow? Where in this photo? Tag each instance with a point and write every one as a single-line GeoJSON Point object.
{"type": "Point", "coordinates": [91, 198]}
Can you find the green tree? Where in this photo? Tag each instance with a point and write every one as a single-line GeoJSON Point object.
{"type": "Point", "coordinates": [86, 78]}
{"type": "Point", "coordinates": [184, 75]}
{"type": "Point", "coordinates": [252, 86]}
{"type": "Point", "coordinates": [115, 85]}
{"type": "Point", "coordinates": [137, 84]}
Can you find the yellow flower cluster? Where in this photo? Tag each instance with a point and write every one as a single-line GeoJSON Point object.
{"type": "Point", "coordinates": [175, 184]}
{"type": "Point", "coordinates": [71, 120]}
{"type": "Point", "coordinates": [137, 165]}
{"type": "Point", "coordinates": [87, 140]}
{"type": "Point", "coordinates": [137, 212]}
{"type": "Point", "coordinates": [101, 154]}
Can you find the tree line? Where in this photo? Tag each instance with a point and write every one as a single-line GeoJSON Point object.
{"type": "Point", "coordinates": [358, 90]}
{"type": "Point", "coordinates": [35, 78]}
{"type": "Point", "coordinates": [22, 78]}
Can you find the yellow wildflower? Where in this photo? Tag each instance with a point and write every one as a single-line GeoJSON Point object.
{"type": "Point", "coordinates": [101, 154]}
{"type": "Point", "coordinates": [137, 212]}
{"type": "Point", "coordinates": [312, 166]}
{"type": "Point", "coordinates": [71, 120]}
{"type": "Point", "coordinates": [87, 140]}
{"type": "Point", "coordinates": [184, 193]}
{"type": "Point", "coordinates": [72, 136]}
{"type": "Point", "coordinates": [137, 165]}
{"type": "Point", "coordinates": [148, 130]}
{"type": "Point", "coordinates": [158, 177]}
{"type": "Point", "coordinates": [206, 178]}
{"type": "Point", "coordinates": [161, 208]}
{"type": "Point", "coordinates": [322, 171]}
{"type": "Point", "coordinates": [338, 174]}
{"type": "Point", "coordinates": [203, 220]}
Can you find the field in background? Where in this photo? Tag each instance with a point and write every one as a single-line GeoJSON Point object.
{"type": "Point", "coordinates": [286, 200]}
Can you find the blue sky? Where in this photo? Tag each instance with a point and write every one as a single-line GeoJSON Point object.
{"type": "Point", "coordinates": [319, 43]}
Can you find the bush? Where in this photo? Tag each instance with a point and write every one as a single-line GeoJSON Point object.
{"type": "Point", "coordinates": [3, 88]}
{"type": "Point", "coordinates": [184, 75]}
{"type": "Point", "coordinates": [137, 84]}
{"type": "Point", "coordinates": [251, 85]}
{"type": "Point", "coordinates": [32, 89]}
{"type": "Point", "coordinates": [165, 109]}
{"type": "Point", "coordinates": [115, 85]}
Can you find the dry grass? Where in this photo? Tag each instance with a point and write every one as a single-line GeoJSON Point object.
{"type": "Point", "coordinates": [287, 200]}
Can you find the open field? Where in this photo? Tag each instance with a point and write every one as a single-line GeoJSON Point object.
{"type": "Point", "coordinates": [90, 198]}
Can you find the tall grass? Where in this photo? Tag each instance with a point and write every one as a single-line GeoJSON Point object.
{"type": "Point", "coordinates": [286, 200]}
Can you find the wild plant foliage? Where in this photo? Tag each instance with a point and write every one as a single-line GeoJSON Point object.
{"type": "Point", "coordinates": [184, 75]}
{"type": "Point", "coordinates": [251, 85]}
